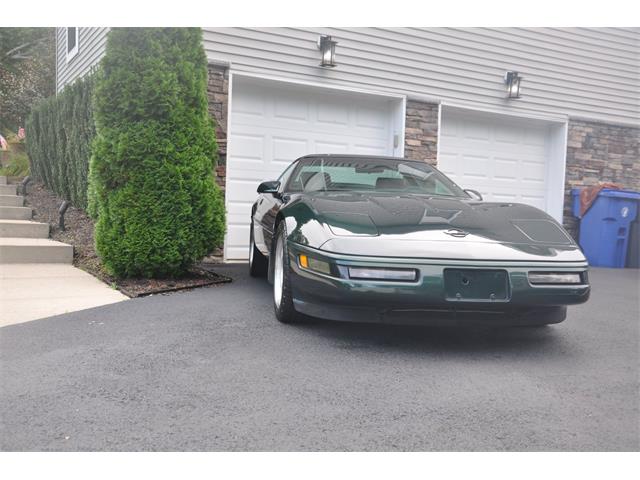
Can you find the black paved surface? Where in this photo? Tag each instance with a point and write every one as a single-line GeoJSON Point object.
{"type": "Point", "coordinates": [211, 369]}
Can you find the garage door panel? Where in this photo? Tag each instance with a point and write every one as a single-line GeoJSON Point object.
{"type": "Point", "coordinates": [507, 134]}
{"type": "Point", "coordinates": [249, 105]}
{"type": "Point", "coordinates": [330, 147]}
{"type": "Point", "coordinates": [533, 151]}
{"type": "Point", "coordinates": [291, 108]}
{"type": "Point", "coordinates": [505, 169]}
{"type": "Point", "coordinates": [249, 147]}
{"type": "Point", "coordinates": [535, 137]}
{"type": "Point", "coordinates": [284, 149]}
{"type": "Point", "coordinates": [247, 178]}
{"type": "Point", "coordinates": [370, 150]}
{"type": "Point", "coordinates": [468, 176]}
{"type": "Point", "coordinates": [476, 132]}
{"type": "Point", "coordinates": [240, 206]}
{"type": "Point", "coordinates": [475, 166]}
{"type": "Point", "coordinates": [372, 118]}
{"type": "Point", "coordinates": [237, 234]}
{"type": "Point", "coordinates": [500, 197]}
{"type": "Point", "coordinates": [535, 200]}
{"type": "Point", "coordinates": [289, 128]}
{"type": "Point", "coordinates": [240, 182]}
{"type": "Point", "coordinates": [451, 130]}
{"type": "Point", "coordinates": [332, 114]}
{"type": "Point", "coordinates": [533, 176]}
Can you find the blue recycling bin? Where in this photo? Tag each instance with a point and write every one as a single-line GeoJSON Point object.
{"type": "Point", "coordinates": [605, 227]}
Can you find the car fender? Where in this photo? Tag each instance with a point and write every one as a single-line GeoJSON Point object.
{"type": "Point", "coordinates": [304, 225]}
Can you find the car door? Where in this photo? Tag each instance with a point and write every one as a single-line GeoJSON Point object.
{"type": "Point", "coordinates": [267, 207]}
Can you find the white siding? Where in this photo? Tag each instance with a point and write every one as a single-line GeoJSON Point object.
{"type": "Point", "coordinates": [91, 45]}
{"type": "Point", "coordinates": [590, 73]}
{"type": "Point", "coordinates": [581, 72]}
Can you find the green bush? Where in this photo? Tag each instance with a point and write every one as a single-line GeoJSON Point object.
{"type": "Point", "coordinates": [158, 207]}
{"type": "Point", "coordinates": [18, 166]}
{"type": "Point", "coordinates": [59, 132]}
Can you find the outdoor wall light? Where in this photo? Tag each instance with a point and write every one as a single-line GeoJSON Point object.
{"type": "Point", "coordinates": [327, 48]}
{"type": "Point", "coordinates": [512, 81]}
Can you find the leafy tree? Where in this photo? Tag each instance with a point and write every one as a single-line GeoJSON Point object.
{"type": "Point", "coordinates": [27, 72]}
{"type": "Point", "coordinates": [152, 188]}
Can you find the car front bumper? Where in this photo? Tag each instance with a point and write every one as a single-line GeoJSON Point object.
{"type": "Point", "coordinates": [425, 300]}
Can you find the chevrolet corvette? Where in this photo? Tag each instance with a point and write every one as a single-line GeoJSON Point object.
{"type": "Point", "coordinates": [390, 240]}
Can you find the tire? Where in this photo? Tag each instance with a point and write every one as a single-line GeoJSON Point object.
{"type": "Point", "coordinates": [258, 263]}
{"type": "Point", "coordinates": [282, 296]}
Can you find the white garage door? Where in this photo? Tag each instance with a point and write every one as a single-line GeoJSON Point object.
{"type": "Point", "coordinates": [272, 124]}
{"type": "Point", "coordinates": [506, 159]}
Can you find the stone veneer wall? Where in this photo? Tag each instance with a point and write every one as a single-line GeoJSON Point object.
{"type": "Point", "coordinates": [218, 95]}
{"type": "Point", "coordinates": [599, 152]}
{"type": "Point", "coordinates": [421, 131]}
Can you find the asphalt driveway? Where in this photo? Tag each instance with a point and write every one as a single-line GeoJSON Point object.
{"type": "Point", "coordinates": [211, 369]}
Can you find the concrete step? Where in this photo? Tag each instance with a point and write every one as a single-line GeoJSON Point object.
{"type": "Point", "coordinates": [3, 180]}
{"type": "Point", "coordinates": [8, 189]}
{"type": "Point", "coordinates": [16, 213]}
{"type": "Point", "coordinates": [11, 200]}
{"type": "Point", "coordinates": [34, 250]}
{"type": "Point", "coordinates": [23, 229]}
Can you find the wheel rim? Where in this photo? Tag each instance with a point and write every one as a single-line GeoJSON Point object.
{"type": "Point", "coordinates": [278, 277]}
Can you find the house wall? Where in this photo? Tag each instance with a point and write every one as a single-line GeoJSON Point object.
{"type": "Point", "coordinates": [580, 72]}
{"type": "Point", "coordinates": [91, 46]}
{"type": "Point", "coordinates": [591, 73]}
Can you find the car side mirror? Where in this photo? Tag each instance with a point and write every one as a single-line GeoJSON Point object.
{"type": "Point", "coordinates": [473, 193]}
{"type": "Point", "coordinates": [269, 187]}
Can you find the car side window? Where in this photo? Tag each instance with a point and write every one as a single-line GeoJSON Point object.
{"type": "Point", "coordinates": [284, 178]}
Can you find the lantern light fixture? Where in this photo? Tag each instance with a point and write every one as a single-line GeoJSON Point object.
{"type": "Point", "coordinates": [327, 47]}
{"type": "Point", "coordinates": [512, 81]}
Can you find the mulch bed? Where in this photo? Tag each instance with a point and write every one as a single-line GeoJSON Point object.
{"type": "Point", "coordinates": [79, 233]}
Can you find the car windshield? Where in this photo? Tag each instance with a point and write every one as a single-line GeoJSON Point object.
{"type": "Point", "coordinates": [375, 175]}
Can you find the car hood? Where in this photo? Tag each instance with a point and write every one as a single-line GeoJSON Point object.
{"type": "Point", "coordinates": [407, 225]}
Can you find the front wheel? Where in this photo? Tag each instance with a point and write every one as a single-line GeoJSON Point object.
{"type": "Point", "coordinates": [282, 296]}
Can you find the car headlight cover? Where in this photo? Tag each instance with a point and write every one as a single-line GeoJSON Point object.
{"type": "Point", "coordinates": [310, 263]}
{"type": "Point", "coordinates": [555, 278]}
{"type": "Point", "coordinates": [393, 274]}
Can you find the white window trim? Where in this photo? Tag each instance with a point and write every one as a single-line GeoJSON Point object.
{"type": "Point", "coordinates": [74, 51]}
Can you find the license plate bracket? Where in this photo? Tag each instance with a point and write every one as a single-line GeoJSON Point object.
{"type": "Point", "coordinates": [476, 285]}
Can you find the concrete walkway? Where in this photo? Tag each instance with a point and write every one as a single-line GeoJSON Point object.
{"type": "Point", "coordinates": [37, 279]}
{"type": "Point", "coordinates": [29, 291]}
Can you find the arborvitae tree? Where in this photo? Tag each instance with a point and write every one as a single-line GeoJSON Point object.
{"type": "Point", "coordinates": [152, 188]}
{"type": "Point", "coordinates": [59, 135]}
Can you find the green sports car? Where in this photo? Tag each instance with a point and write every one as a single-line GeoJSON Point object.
{"type": "Point", "coordinates": [380, 239]}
